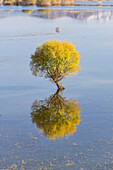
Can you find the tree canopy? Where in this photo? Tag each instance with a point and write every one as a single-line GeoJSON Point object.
{"type": "Point", "coordinates": [55, 60]}
{"type": "Point", "coordinates": [56, 116]}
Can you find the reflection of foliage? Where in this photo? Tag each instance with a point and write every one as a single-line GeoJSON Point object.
{"type": "Point", "coordinates": [47, 11]}
{"type": "Point", "coordinates": [44, 11]}
{"type": "Point", "coordinates": [27, 11]}
{"type": "Point", "coordinates": [74, 11]}
{"type": "Point", "coordinates": [55, 60]}
{"type": "Point", "coordinates": [56, 116]}
{"type": "Point", "coordinates": [9, 10]}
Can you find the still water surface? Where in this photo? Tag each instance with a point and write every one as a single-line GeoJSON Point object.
{"type": "Point", "coordinates": [30, 142]}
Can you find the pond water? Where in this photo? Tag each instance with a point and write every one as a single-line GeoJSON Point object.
{"type": "Point", "coordinates": [93, 2]}
{"type": "Point", "coordinates": [28, 142]}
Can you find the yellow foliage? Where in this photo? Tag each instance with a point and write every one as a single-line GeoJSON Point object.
{"type": "Point", "coordinates": [55, 60]}
{"type": "Point", "coordinates": [74, 11]}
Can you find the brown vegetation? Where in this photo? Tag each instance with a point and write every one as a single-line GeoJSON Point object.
{"type": "Point", "coordinates": [8, 2]}
{"type": "Point", "coordinates": [54, 2]}
{"type": "Point", "coordinates": [38, 2]}
{"type": "Point", "coordinates": [28, 2]}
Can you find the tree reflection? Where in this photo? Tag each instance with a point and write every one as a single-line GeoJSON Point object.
{"type": "Point", "coordinates": [56, 116]}
{"type": "Point", "coordinates": [44, 11]}
{"type": "Point", "coordinates": [27, 11]}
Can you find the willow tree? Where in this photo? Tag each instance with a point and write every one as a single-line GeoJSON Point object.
{"type": "Point", "coordinates": [55, 60]}
{"type": "Point", "coordinates": [56, 116]}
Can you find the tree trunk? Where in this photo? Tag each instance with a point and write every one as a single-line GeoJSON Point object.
{"type": "Point", "coordinates": [60, 87]}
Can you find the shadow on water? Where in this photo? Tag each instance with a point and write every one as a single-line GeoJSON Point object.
{"type": "Point", "coordinates": [56, 116]}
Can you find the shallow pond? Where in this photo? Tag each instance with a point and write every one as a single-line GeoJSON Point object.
{"type": "Point", "coordinates": [25, 141]}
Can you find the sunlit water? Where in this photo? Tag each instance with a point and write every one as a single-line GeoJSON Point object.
{"type": "Point", "coordinates": [90, 146]}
